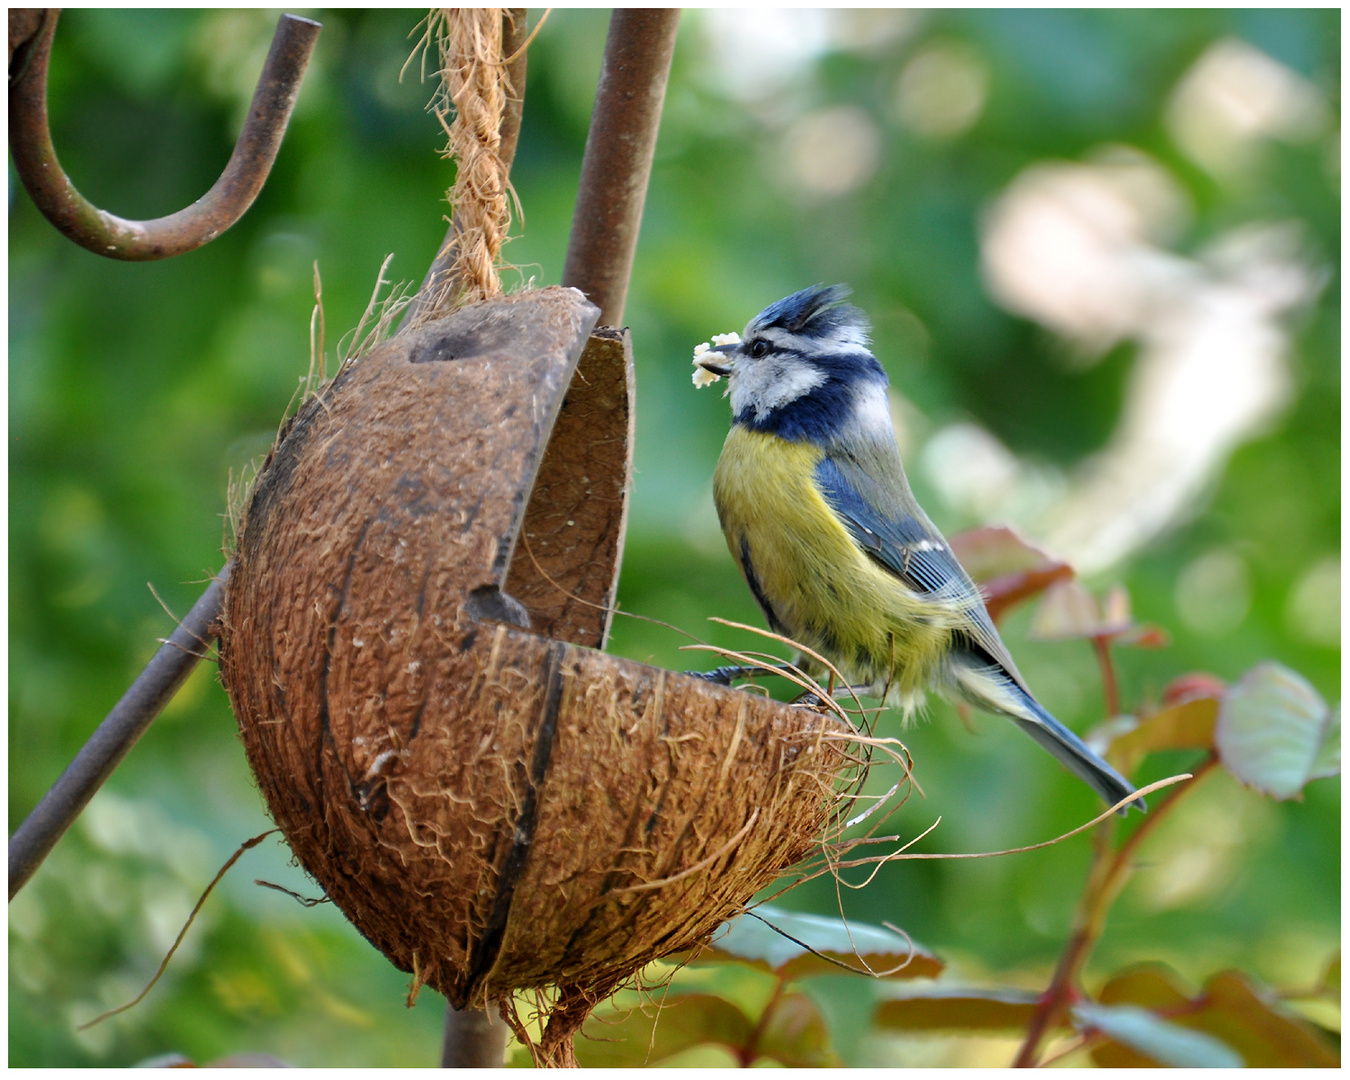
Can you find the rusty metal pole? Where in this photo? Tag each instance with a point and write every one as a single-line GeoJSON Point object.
{"type": "Point", "coordinates": [113, 739]}
{"type": "Point", "coordinates": [473, 1039]}
{"type": "Point", "coordinates": [619, 151]}
{"type": "Point", "coordinates": [613, 187]}
{"type": "Point", "coordinates": [106, 234]}
{"type": "Point", "coordinates": [35, 161]}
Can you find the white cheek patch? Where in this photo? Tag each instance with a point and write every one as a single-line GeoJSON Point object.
{"type": "Point", "coordinates": [771, 382]}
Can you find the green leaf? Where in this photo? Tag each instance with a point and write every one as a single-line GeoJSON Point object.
{"type": "Point", "coordinates": [782, 942]}
{"type": "Point", "coordinates": [1150, 985]}
{"type": "Point", "coordinates": [1263, 1033]}
{"type": "Point", "coordinates": [1331, 979]}
{"type": "Point", "coordinates": [1177, 727]}
{"type": "Point", "coordinates": [796, 1035]}
{"type": "Point", "coordinates": [1328, 760]}
{"type": "Point", "coordinates": [653, 1031]}
{"type": "Point", "coordinates": [1275, 733]}
{"type": "Point", "coordinates": [1159, 1040]}
{"type": "Point", "coordinates": [1229, 1008]}
{"type": "Point", "coordinates": [957, 1010]}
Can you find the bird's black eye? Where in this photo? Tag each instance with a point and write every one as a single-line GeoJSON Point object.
{"type": "Point", "coordinates": [759, 348]}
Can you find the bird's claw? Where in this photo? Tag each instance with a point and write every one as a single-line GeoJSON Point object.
{"type": "Point", "coordinates": [723, 676]}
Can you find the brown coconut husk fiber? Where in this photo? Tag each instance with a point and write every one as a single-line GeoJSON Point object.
{"type": "Point", "coordinates": [493, 808]}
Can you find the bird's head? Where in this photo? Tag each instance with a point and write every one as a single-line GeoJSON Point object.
{"type": "Point", "coordinates": [802, 368]}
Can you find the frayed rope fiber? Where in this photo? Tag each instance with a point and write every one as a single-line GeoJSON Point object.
{"type": "Point", "coordinates": [475, 85]}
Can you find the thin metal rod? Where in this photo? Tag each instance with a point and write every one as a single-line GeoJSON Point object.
{"type": "Point", "coordinates": [156, 684]}
{"type": "Point", "coordinates": [117, 238]}
{"type": "Point", "coordinates": [619, 151]}
{"type": "Point", "coordinates": [24, 24]}
{"type": "Point", "coordinates": [514, 36]}
{"type": "Point", "coordinates": [474, 1039]}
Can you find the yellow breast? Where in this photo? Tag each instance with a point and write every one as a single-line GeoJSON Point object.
{"type": "Point", "coordinates": [822, 590]}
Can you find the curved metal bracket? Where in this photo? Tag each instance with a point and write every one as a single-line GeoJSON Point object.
{"type": "Point", "coordinates": [117, 238]}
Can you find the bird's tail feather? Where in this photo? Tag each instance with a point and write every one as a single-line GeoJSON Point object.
{"type": "Point", "coordinates": [1074, 755]}
{"type": "Point", "coordinates": [988, 685]}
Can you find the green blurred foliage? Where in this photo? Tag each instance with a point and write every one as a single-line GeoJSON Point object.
{"type": "Point", "coordinates": [136, 390]}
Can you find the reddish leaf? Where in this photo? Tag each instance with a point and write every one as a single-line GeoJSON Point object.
{"type": "Point", "coordinates": [1068, 611]}
{"type": "Point", "coordinates": [957, 1010]}
{"type": "Point", "coordinates": [994, 551]}
{"type": "Point", "coordinates": [1189, 725]}
{"type": "Point", "coordinates": [1155, 1040]}
{"type": "Point", "coordinates": [1150, 985]}
{"type": "Point", "coordinates": [1196, 684]}
{"type": "Point", "coordinates": [1115, 1055]}
{"type": "Point", "coordinates": [1263, 1033]}
{"type": "Point", "coordinates": [1007, 568]}
{"type": "Point", "coordinates": [796, 1035]}
{"type": "Point", "coordinates": [654, 1032]}
{"type": "Point", "coordinates": [1146, 636]}
{"type": "Point", "coordinates": [1004, 593]}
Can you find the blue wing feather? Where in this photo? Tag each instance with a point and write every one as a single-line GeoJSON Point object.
{"type": "Point", "coordinates": [911, 548]}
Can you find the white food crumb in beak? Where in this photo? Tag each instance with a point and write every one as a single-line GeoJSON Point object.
{"type": "Point", "coordinates": [702, 376]}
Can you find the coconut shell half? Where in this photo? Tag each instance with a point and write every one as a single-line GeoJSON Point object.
{"type": "Point", "coordinates": [494, 807]}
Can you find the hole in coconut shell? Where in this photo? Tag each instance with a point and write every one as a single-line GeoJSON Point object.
{"type": "Point", "coordinates": [459, 344]}
{"type": "Point", "coordinates": [490, 603]}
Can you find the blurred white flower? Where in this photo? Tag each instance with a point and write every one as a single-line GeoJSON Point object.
{"type": "Point", "coordinates": [756, 53]}
{"type": "Point", "coordinates": [1074, 246]}
{"type": "Point", "coordinates": [1214, 592]}
{"type": "Point", "coordinates": [1313, 611]}
{"type": "Point", "coordinates": [1235, 95]}
{"type": "Point", "coordinates": [830, 152]}
{"type": "Point", "coordinates": [872, 30]}
{"type": "Point", "coordinates": [983, 480]}
{"type": "Point", "coordinates": [1079, 249]}
{"type": "Point", "coordinates": [942, 90]}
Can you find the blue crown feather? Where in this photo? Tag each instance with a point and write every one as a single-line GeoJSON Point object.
{"type": "Point", "coordinates": [818, 311]}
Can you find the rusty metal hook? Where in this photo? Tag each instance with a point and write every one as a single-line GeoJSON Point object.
{"type": "Point", "coordinates": [117, 238]}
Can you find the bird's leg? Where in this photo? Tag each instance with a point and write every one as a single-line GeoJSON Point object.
{"type": "Point", "coordinates": [723, 676]}
{"type": "Point", "coordinates": [811, 699]}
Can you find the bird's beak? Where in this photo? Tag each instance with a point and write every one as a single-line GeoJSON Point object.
{"type": "Point", "coordinates": [718, 361]}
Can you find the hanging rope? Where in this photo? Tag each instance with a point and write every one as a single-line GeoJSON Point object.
{"type": "Point", "coordinates": [475, 88]}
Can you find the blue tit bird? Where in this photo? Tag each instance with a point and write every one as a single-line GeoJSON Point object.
{"type": "Point", "coordinates": [819, 516]}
